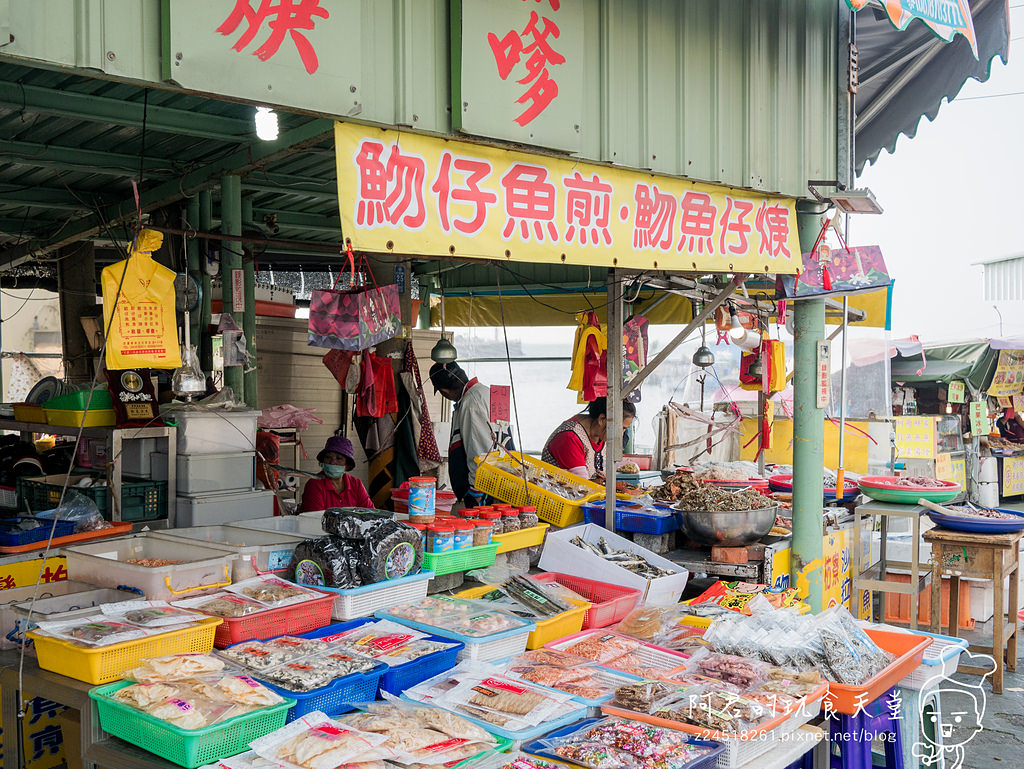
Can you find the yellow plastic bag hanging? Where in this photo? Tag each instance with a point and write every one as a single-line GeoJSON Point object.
{"type": "Point", "coordinates": [144, 331]}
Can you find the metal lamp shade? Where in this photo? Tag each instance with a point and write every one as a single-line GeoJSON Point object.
{"type": "Point", "coordinates": [703, 357]}
{"type": "Point", "coordinates": [443, 352]}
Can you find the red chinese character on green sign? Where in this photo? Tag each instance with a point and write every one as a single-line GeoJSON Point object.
{"type": "Point", "coordinates": [283, 17]}
{"type": "Point", "coordinates": [533, 43]}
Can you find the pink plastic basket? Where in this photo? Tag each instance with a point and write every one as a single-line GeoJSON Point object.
{"type": "Point", "coordinates": [287, 620]}
{"type": "Point", "coordinates": [650, 656]}
{"type": "Point", "coordinates": [608, 603]}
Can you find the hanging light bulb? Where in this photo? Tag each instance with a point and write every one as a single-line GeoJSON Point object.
{"type": "Point", "coordinates": [266, 124]}
{"type": "Point", "coordinates": [736, 330]}
{"type": "Point", "coordinates": [949, 408]}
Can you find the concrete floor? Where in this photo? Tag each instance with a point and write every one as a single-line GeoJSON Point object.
{"type": "Point", "coordinates": [1001, 740]}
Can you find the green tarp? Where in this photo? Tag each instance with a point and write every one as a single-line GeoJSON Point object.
{"type": "Point", "coordinates": [972, 362]}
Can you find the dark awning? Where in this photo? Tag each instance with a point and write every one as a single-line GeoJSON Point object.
{"type": "Point", "coordinates": [904, 76]}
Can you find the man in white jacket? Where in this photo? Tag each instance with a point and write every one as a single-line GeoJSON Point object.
{"type": "Point", "coordinates": [473, 433]}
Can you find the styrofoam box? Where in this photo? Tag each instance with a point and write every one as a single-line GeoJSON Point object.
{"type": "Point", "coordinates": [137, 456]}
{"type": "Point", "coordinates": [208, 473]}
{"type": "Point", "coordinates": [9, 624]}
{"type": "Point", "coordinates": [215, 431]}
{"type": "Point", "coordinates": [202, 568]}
{"type": "Point", "coordinates": [231, 506]}
{"type": "Point", "coordinates": [298, 525]}
{"type": "Point", "coordinates": [560, 555]}
{"type": "Point", "coordinates": [257, 552]}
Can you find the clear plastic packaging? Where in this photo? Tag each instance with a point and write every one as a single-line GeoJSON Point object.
{"type": "Point", "coordinates": [604, 649]}
{"type": "Point", "coordinates": [318, 742]}
{"type": "Point", "coordinates": [387, 642]}
{"type": "Point", "coordinates": [176, 667]}
{"type": "Point", "coordinates": [506, 702]}
{"type": "Point", "coordinates": [93, 630]}
{"type": "Point", "coordinates": [272, 592]}
{"type": "Point", "coordinates": [458, 615]}
{"type": "Point", "coordinates": [739, 671]}
{"type": "Point", "coordinates": [714, 710]}
{"type": "Point", "coordinates": [222, 605]}
{"type": "Point", "coordinates": [150, 614]}
{"type": "Point", "coordinates": [616, 743]}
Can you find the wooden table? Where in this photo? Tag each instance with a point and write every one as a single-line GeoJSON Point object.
{"type": "Point", "coordinates": [994, 557]}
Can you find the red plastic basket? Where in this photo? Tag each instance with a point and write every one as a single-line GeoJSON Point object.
{"type": "Point", "coordinates": [909, 650]}
{"type": "Point", "coordinates": [608, 603]}
{"type": "Point", "coordinates": [288, 620]}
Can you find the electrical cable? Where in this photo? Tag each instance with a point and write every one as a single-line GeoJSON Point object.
{"type": "Point", "coordinates": [511, 379]}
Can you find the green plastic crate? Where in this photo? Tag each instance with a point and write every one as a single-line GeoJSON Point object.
{"type": "Point", "coordinates": [184, 747]}
{"type": "Point", "coordinates": [478, 557]}
{"type": "Point", "coordinates": [77, 401]}
{"type": "Point", "coordinates": [140, 500]}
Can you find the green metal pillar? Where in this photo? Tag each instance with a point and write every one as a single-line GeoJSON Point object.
{"type": "Point", "coordinates": [249, 316]}
{"type": "Point", "coordinates": [205, 341]}
{"type": "Point", "coordinates": [808, 437]}
{"type": "Point", "coordinates": [231, 260]}
{"type": "Point", "coordinates": [194, 270]}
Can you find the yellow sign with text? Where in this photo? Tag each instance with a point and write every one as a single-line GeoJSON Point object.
{"type": "Point", "coordinates": [1013, 476]}
{"type": "Point", "coordinates": [915, 437]}
{"type": "Point", "coordinates": [1008, 379]}
{"type": "Point", "coordinates": [411, 194]}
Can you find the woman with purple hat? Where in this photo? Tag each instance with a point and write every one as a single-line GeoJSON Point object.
{"type": "Point", "coordinates": [334, 487]}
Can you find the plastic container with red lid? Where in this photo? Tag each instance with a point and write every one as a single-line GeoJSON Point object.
{"type": "Point", "coordinates": [440, 538]}
{"type": "Point", "coordinates": [483, 531]}
{"type": "Point", "coordinates": [463, 535]}
{"type": "Point", "coordinates": [510, 521]}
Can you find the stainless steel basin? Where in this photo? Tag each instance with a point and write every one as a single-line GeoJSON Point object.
{"type": "Point", "coordinates": [727, 527]}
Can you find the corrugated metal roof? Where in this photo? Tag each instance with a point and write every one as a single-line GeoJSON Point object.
{"type": "Point", "coordinates": [62, 158]}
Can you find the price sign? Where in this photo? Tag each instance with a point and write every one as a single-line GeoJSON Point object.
{"type": "Point", "coordinates": [1013, 476]}
{"type": "Point", "coordinates": [915, 437]}
{"type": "Point", "coordinates": [944, 467]}
{"type": "Point", "coordinates": [237, 291]}
{"type": "Point", "coordinates": [500, 402]}
{"type": "Point", "coordinates": [824, 375]}
{"type": "Point", "coordinates": [978, 411]}
{"type": "Point", "coordinates": [956, 392]}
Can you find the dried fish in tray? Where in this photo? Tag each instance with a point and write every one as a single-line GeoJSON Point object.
{"type": "Point", "coordinates": [633, 562]}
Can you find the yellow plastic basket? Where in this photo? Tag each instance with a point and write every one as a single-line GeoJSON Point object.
{"type": "Point", "coordinates": [517, 540]}
{"type": "Point", "coordinates": [74, 418]}
{"type": "Point", "coordinates": [513, 490]}
{"type": "Point", "coordinates": [547, 630]}
{"type": "Point", "coordinates": [103, 664]}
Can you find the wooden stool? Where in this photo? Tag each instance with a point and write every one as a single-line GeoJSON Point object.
{"type": "Point", "coordinates": [994, 557]}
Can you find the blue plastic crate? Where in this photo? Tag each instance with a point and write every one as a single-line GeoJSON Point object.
{"type": "Point", "coordinates": [398, 678]}
{"type": "Point", "coordinates": [339, 696]}
{"type": "Point", "coordinates": [9, 537]}
{"type": "Point", "coordinates": [537, 748]}
{"type": "Point", "coordinates": [635, 522]}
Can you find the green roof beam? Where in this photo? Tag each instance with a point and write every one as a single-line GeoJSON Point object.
{"type": "Point", "coordinates": [302, 221]}
{"type": "Point", "coordinates": [244, 160]}
{"type": "Point", "coordinates": [279, 185]}
{"type": "Point", "coordinates": [80, 159]}
{"type": "Point", "coordinates": [44, 197]}
{"type": "Point", "coordinates": [102, 109]}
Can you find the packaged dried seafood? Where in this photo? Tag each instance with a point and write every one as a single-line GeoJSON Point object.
{"type": "Point", "coordinates": [257, 655]}
{"type": "Point", "coordinates": [226, 605]}
{"type": "Point", "coordinates": [715, 710]}
{"type": "Point", "coordinates": [318, 742]}
{"type": "Point", "coordinates": [149, 613]}
{"type": "Point", "coordinates": [643, 695]}
{"type": "Point", "coordinates": [93, 630]}
{"type": "Point", "coordinates": [387, 642]}
{"type": "Point", "coordinates": [175, 667]}
{"type": "Point", "coordinates": [626, 559]}
{"type": "Point", "coordinates": [470, 618]}
{"type": "Point", "coordinates": [198, 702]}
{"type": "Point", "coordinates": [604, 648]}
{"type": "Point", "coordinates": [273, 591]}
{"type": "Point", "coordinates": [616, 743]}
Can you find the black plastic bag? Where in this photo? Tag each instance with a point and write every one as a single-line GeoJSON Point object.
{"type": "Point", "coordinates": [353, 522]}
{"type": "Point", "coordinates": [390, 550]}
{"type": "Point", "coordinates": [326, 562]}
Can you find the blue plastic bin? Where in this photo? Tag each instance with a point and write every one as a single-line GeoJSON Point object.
{"type": "Point", "coordinates": [398, 678]}
{"type": "Point", "coordinates": [9, 537]}
{"type": "Point", "coordinates": [631, 521]}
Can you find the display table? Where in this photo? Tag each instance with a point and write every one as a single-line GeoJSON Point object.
{"type": "Point", "coordinates": [995, 557]}
{"type": "Point", "coordinates": [97, 748]}
{"type": "Point", "coordinates": [872, 577]}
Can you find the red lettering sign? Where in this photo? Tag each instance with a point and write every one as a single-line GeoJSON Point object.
{"type": "Point", "coordinates": [588, 205]}
{"type": "Point", "coordinates": [283, 17]}
{"type": "Point", "coordinates": [534, 44]}
{"type": "Point", "coordinates": [391, 191]}
{"type": "Point", "coordinates": [474, 172]}
{"type": "Point", "coordinates": [529, 200]}
{"type": "Point", "coordinates": [772, 223]}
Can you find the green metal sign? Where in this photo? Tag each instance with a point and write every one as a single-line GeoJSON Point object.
{"type": "Point", "coordinates": [303, 54]}
{"type": "Point", "coordinates": [517, 71]}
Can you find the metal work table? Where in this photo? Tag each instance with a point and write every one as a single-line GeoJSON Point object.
{"type": "Point", "coordinates": [115, 437]}
{"type": "Point", "coordinates": [698, 561]}
{"type": "Point", "coordinates": [871, 577]}
{"type": "Point", "coordinates": [97, 748]}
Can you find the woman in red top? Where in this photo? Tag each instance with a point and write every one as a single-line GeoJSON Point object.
{"type": "Point", "coordinates": [333, 488]}
{"type": "Point", "coordinates": [577, 445]}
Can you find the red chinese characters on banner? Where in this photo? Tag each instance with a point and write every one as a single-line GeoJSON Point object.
{"type": "Point", "coordinates": [734, 227]}
{"type": "Point", "coordinates": [534, 44]}
{"type": "Point", "coordinates": [697, 223]}
{"type": "Point", "coordinates": [655, 218]}
{"type": "Point", "coordinates": [469, 193]}
{"type": "Point", "coordinates": [588, 205]}
{"type": "Point", "coordinates": [283, 17]}
{"type": "Point", "coordinates": [772, 221]}
{"type": "Point", "coordinates": [390, 191]}
{"type": "Point", "coordinates": [529, 200]}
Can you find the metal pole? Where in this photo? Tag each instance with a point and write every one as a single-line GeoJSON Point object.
{"type": "Point", "coordinates": [205, 312]}
{"type": "Point", "coordinates": [808, 437]}
{"type": "Point", "coordinates": [231, 260]}
{"type": "Point", "coordinates": [249, 315]}
{"type": "Point", "coordinates": [840, 479]}
{"type": "Point", "coordinates": [613, 439]}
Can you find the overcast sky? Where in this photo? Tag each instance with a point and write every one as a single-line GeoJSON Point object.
{"type": "Point", "coordinates": [954, 195]}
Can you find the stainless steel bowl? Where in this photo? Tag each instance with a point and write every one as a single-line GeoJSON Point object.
{"type": "Point", "coordinates": [727, 527]}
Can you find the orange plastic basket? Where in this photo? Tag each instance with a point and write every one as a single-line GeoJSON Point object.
{"type": "Point", "coordinates": [909, 651]}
